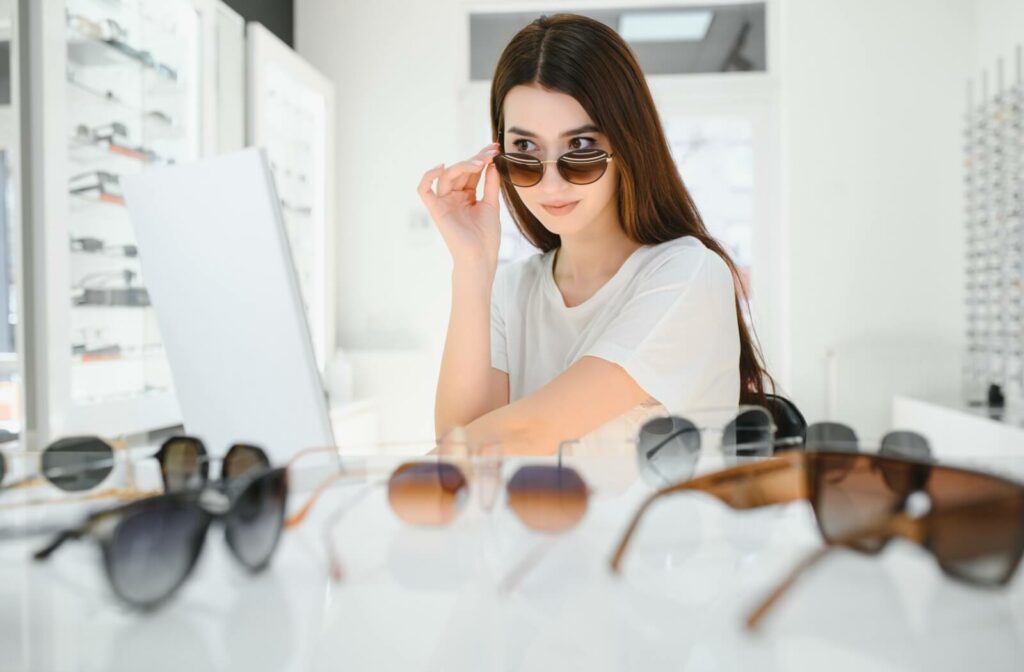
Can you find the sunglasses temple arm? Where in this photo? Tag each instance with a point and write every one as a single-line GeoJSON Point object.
{"type": "Point", "coordinates": [723, 485]}
{"type": "Point", "coordinates": [296, 518]}
{"type": "Point", "coordinates": [620, 551]}
{"type": "Point", "coordinates": [755, 616]}
{"type": "Point", "coordinates": [45, 552]}
{"type": "Point", "coordinates": [333, 557]}
{"type": "Point", "coordinates": [526, 564]}
{"type": "Point", "coordinates": [26, 482]}
{"type": "Point", "coordinates": [896, 525]}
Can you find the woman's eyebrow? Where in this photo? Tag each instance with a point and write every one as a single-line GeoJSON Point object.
{"type": "Point", "coordinates": [589, 128]}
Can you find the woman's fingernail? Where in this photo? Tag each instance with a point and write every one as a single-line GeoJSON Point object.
{"type": "Point", "coordinates": [477, 163]}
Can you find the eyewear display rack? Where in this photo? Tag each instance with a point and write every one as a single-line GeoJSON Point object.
{"type": "Point", "coordinates": [121, 86]}
{"type": "Point", "coordinates": [994, 218]}
{"type": "Point", "coordinates": [291, 113]}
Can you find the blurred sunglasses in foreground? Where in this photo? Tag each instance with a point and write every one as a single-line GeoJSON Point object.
{"type": "Point", "coordinates": [150, 546]}
{"type": "Point", "coordinates": [81, 463]}
{"type": "Point", "coordinates": [971, 522]}
{"type": "Point", "coordinates": [668, 448]}
{"type": "Point", "coordinates": [432, 491]}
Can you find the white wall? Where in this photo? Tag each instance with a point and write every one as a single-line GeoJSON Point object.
{"type": "Point", "coordinates": [998, 27]}
{"type": "Point", "coordinates": [872, 93]}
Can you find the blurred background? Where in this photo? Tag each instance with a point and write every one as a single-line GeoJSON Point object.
{"type": "Point", "coordinates": [861, 159]}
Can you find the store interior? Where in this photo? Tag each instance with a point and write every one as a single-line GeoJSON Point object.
{"type": "Point", "coordinates": [861, 161]}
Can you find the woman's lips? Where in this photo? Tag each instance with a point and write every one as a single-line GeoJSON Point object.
{"type": "Point", "coordinates": [561, 210]}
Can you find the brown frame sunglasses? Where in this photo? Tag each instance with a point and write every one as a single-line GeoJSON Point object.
{"type": "Point", "coordinates": [971, 522]}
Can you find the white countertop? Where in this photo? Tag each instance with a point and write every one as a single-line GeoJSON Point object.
{"type": "Point", "coordinates": [432, 599]}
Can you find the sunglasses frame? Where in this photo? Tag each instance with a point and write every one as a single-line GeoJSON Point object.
{"type": "Point", "coordinates": [103, 526]}
{"type": "Point", "coordinates": [749, 486]}
{"type": "Point", "coordinates": [526, 159]}
{"type": "Point", "coordinates": [303, 511]}
{"type": "Point", "coordinates": [131, 491]}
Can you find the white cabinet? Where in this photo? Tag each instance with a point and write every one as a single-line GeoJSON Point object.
{"type": "Point", "coordinates": [291, 115]}
{"type": "Point", "coordinates": [117, 87]}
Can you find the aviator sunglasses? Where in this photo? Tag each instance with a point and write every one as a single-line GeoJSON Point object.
{"type": "Point", "coordinates": [580, 166]}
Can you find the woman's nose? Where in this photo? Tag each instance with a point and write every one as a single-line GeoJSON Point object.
{"type": "Point", "coordinates": [552, 180]}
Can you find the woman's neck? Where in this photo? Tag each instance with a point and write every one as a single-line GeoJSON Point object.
{"type": "Point", "coordinates": [594, 254]}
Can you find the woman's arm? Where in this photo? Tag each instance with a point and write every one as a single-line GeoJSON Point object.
{"type": "Point", "coordinates": [468, 387]}
{"type": "Point", "coordinates": [585, 396]}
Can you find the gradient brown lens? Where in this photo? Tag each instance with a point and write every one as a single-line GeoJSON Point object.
{"type": "Point", "coordinates": [833, 437]}
{"type": "Point", "coordinates": [183, 464]}
{"type": "Point", "coordinates": [976, 525]}
{"type": "Point", "coordinates": [583, 166]}
{"type": "Point", "coordinates": [547, 498]}
{"type": "Point", "coordinates": [427, 493]}
{"type": "Point", "coordinates": [849, 495]}
{"type": "Point", "coordinates": [243, 459]}
{"type": "Point", "coordinates": [522, 170]}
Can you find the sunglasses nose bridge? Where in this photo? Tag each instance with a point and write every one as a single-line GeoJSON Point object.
{"type": "Point", "coordinates": [554, 178]}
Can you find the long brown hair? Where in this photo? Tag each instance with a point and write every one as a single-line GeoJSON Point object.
{"type": "Point", "coordinates": [589, 61]}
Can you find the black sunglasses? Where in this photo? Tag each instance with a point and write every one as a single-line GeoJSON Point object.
{"type": "Point", "coordinates": [150, 546]}
{"type": "Point", "coordinates": [668, 447]}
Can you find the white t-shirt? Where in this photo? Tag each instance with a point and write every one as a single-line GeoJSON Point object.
{"type": "Point", "coordinates": [667, 317]}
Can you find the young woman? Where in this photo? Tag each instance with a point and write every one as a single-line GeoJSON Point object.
{"type": "Point", "coordinates": [631, 309]}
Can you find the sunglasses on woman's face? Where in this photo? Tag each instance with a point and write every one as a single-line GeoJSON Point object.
{"type": "Point", "coordinates": [77, 464]}
{"type": "Point", "coordinates": [971, 522]}
{"type": "Point", "coordinates": [580, 166]}
{"type": "Point", "coordinates": [150, 546]}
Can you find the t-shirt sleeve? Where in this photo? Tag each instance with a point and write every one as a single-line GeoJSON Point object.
{"type": "Point", "coordinates": [499, 341]}
{"type": "Point", "coordinates": [677, 335]}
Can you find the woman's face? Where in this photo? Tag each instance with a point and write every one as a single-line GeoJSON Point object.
{"type": "Point", "coordinates": [547, 124]}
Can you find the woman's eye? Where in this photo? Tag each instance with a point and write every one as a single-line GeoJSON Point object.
{"type": "Point", "coordinates": [575, 143]}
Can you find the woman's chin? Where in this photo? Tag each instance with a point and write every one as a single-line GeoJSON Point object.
{"type": "Point", "coordinates": [562, 226]}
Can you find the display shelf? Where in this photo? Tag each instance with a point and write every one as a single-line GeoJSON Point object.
{"type": "Point", "coordinates": [291, 110]}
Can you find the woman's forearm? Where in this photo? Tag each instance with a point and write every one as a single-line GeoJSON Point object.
{"type": "Point", "coordinates": [516, 429]}
{"type": "Point", "coordinates": [462, 387]}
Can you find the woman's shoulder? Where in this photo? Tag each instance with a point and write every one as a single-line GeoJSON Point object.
{"type": "Point", "coordinates": [685, 260]}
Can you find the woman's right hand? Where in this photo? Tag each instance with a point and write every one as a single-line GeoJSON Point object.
{"type": "Point", "coordinates": [470, 228]}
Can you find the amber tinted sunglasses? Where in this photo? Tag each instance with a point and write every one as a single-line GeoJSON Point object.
{"type": "Point", "coordinates": [971, 522]}
{"type": "Point", "coordinates": [580, 166]}
{"type": "Point", "coordinates": [433, 491]}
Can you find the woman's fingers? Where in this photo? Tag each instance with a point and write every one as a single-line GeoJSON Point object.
{"type": "Point", "coordinates": [465, 175]}
{"type": "Point", "coordinates": [426, 188]}
{"type": "Point", "coordinates": [491, 184]}
{"type": "Point", "coordinates": [486, 155]}
{"type": "Point", "coordinates": [462, 176]}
